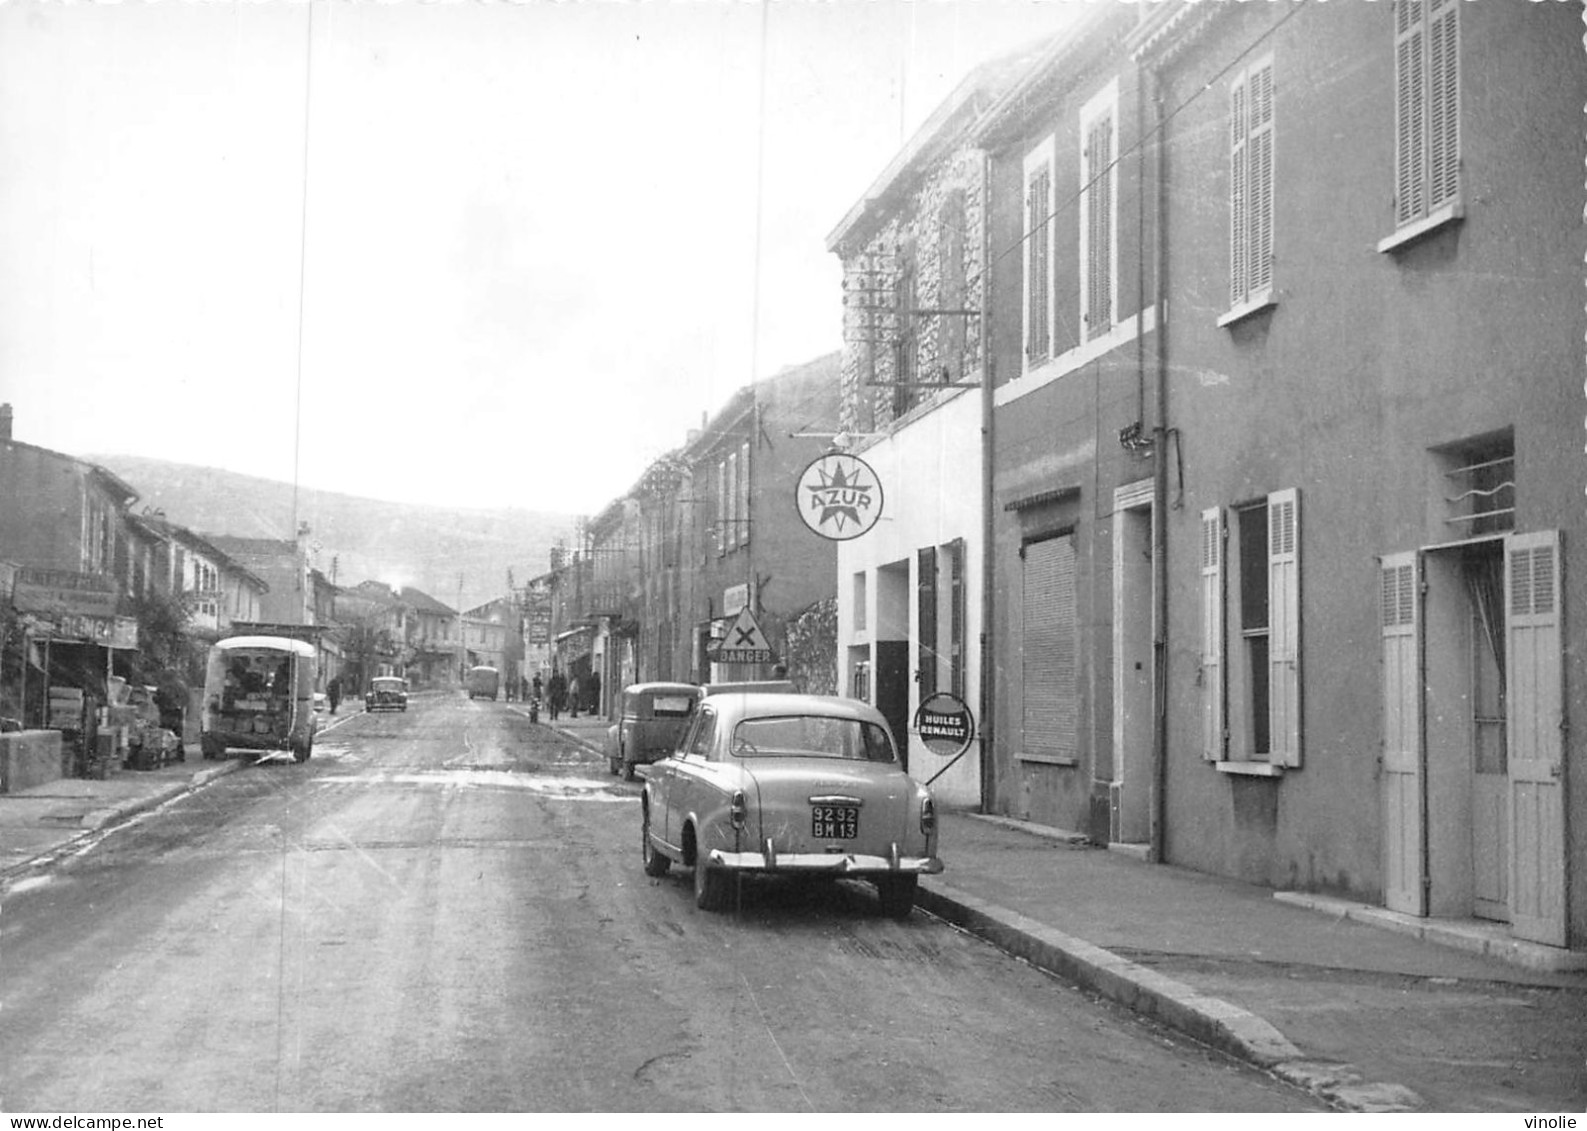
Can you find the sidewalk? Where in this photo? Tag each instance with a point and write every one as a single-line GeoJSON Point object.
{"type": "Point", "coordinates": [1368, 1010]}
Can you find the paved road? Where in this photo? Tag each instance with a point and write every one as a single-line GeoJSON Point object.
{"type": "Point", "coordinates": [444, 910]}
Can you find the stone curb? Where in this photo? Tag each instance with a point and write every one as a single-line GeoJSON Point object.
{"type": "Point", "coordinates": [1212, 1021]}
{"type": "Point", "coordinates": [99, 818]}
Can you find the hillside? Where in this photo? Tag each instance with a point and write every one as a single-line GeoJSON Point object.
{"type": "Point", "coordinates": [425, 546]}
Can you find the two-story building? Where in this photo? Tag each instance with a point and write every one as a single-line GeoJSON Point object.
{"type": "Point", "coordinates": [1284, 331]}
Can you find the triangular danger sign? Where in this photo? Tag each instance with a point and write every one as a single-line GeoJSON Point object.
{"type": "Point", "coordinates": [744, 643]}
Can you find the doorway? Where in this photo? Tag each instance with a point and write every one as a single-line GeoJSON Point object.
{"type": "Point", "coordinates": [1130, 789]}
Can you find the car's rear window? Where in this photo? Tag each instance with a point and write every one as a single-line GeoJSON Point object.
{"type": "Point", "coordinates": [811, 736]}
{"type": "Point", "coordinates": [673, 706]}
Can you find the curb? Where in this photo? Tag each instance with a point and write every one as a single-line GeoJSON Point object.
{"type": "Point", "coordinates": [98, 818]}
{"type": "Point", "coordinates": [1212, 1021]}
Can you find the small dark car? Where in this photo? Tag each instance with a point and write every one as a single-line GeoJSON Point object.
{"type": "Point", "coordinates": [654, 717]}
{"type": "Point", "coordinates": [387, 693]}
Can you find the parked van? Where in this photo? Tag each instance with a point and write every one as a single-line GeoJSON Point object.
{"type": "Point", "coordinates": [654, 717]}
{"type": "Point", "coordinates": [259, 695]}
{"type": "Point", "coordinates": [483, 682]}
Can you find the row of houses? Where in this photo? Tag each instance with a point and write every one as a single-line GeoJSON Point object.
{"type": "Point", "coordinates": [83, 569]}
{"type": "Point", "coordinates": [1222, 368]}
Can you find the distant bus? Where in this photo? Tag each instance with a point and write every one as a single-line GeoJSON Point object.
{"type": "Point", "coordinates": [483, 682]}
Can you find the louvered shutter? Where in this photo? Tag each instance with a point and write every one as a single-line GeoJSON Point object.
{"type": "Point", "coordinates": [721, 507]}
{"type": "Point", "coordinates": [1049, 678]}
{"type": "Point", "coordinates": [1260, 149]}
{"type": "Point", "coordinates": [1283, 594]}
{"type": "Point", "coordinates": [1401, 801]}
{"type": "Point", "coordinates": [1099, 227]}
{"type": "Point", "coordinates": [1535, 717]}
{"type": "Point", "coordinates": [1038, 237]}
{"type": "Point", "coordinates": [926, 603]}
{"type": "Point", "coordinates": [742, 535]}
{"type": "Point", "coordinates": [1239, 194]}
{"type": "Point", "coordinates": [1211, 677]}
{"type": "Point", "coordinates": [1443, 102]}
{"type": "Point", "coordinates": [1410, 111]}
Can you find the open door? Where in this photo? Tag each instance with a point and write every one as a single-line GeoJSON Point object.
{"type": "Point", "coordinates": [1535, 733]}
{"type": "Point", "coordinates": [1404, 864]}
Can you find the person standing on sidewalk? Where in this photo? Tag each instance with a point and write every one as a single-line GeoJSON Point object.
{"type": "Point", "coordinates": [594, 694]}
{"type": "Point", "coordinates": [333, 692]}
{"type": "Point", "coordinates": [573, 697]}
{"type": "Point", "coordinates": [558, 687]}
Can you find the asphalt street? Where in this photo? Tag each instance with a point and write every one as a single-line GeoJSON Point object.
{"type": "Point", "coordinates": [444, 911]}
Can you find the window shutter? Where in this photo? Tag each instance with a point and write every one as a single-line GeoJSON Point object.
{"type": "Point", "coordinates": [1410, 111]}
{"type": "Point", "coordinates": [1239, 194]}
{"type": "Point", "coordinates": [1038, 235]}
{"type": "Point", "coordinates": [1211, 676]}
{"type": "Point", "coordinates": [926, 642]}
{"type": "Point", "coordinates": [1050, 684]}
{"type": "Point", "coordinates": [1260, 151]}
{"type": "Point", "coordinates": [742, 537]}
{"type": "Point", "coordinates": [1283, 588]}
{"type": "Point", "coordinates": [721, 507]}
{"type": "Point", "coordinates": [1402, 736]}
{"type": "Point", "coordinates": [1443, 102]}
{"type": "Point", "coordinates": [1099, 227]}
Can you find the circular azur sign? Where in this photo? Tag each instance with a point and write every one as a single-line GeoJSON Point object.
{"type": "Point", "coordinates": [838, 496]}
{"type": "Point", "coordinates": [945, 724]}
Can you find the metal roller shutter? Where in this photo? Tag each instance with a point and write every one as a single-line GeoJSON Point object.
{"type": "Point", "coordinates": [1050, 675]}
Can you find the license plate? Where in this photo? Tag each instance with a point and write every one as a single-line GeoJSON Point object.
{"type": "Point", "coordinates": [834, 822]}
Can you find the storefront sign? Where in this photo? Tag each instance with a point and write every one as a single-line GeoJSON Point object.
{"type": "Point", "coordinates": [57, 592]}
{"type": "Point", "coordinates": [839, 497]}
{"type": "Point", "coordinates": [945, 725]}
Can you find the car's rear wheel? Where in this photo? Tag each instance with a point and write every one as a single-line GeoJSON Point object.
{"type": "Point", "coordinates": [656, 863]}
{"type": "Point", "coordinates": [897, 895]}
{"type": "Point", "coordinates": [710, 884]}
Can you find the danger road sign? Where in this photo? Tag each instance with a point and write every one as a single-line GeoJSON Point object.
{"type": "Point", "coordinates": [744, 643]}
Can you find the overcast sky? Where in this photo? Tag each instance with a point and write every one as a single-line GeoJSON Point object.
{"type": "Point", "coordinates": [519, 239]}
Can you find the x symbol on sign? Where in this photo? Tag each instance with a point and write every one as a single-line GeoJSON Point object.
{"type": "Point", "coordinates": [745, 636]}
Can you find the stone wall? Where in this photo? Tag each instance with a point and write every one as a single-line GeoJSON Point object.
{"type": "Point", "coordinates": [29, 758]}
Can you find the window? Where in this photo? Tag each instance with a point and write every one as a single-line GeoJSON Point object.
{"type": "Point", "coordinates": [906, 348]}
{"type": "Point", "coordinates": [1479, 486]}
{"type": "Point", "coordinates": [1263, 720]}
{"type": "Point", "coordinates": [1038, 256]}
{"type": "Point", "coordinates": [1049, 683]}
{"type": "Point", "coordinates": [722, 518]}
{"type": "Point", "coordinates": [1426, 112]}
{"type": "Point", "coordinates": [860, 595]}
{"type": "Point", "coordinates": [1251, 186]}
{"type": "Point", "coordinates": [1099, 142]}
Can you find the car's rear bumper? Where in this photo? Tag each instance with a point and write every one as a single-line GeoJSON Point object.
{"type": "Point", "coordinates": [825, 863]}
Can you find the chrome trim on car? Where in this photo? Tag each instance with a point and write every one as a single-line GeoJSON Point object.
{"type": "Point", "coordinates": [848, 863]}
{"type": "Point", "coordinates": [836, 799]}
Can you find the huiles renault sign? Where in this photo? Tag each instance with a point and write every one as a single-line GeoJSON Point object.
{"type": "Point", "coordinates": [839, 497]}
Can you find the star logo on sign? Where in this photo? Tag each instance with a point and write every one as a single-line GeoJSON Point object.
{"type": "Point", "coordinates": [839, 497]}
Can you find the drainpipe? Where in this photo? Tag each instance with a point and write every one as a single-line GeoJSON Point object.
{"type": "Point", "coordinates": [987, 680]}
{"type": "Point", "coordinates": [1160, 500]}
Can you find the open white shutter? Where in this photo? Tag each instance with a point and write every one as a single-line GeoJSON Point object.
{"type": "Point", "coordinates": [1535, 719]}
{"type": "Point", "coordinates": [1212, 677]}
{"type": "Point", "coordinates": [1239, 193]}
{"type": "Point", "coordinates": [1260, 181]}
{"type": "Point", "coordinates": [1410, 111]}
{"type": "Point", "coordinates": [1283, 594]}
{"type": "Point", "coordinates": [1401, 798]}
{"type": "Point", "coordinates": [1443, 102]}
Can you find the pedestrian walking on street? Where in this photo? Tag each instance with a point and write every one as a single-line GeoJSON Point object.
{"type": "Point", "coordinates": [536, 685]}
{"type": "Point", "coordinates": [333, 692]}
{"type": "Point", "coordinates": [595, 693]}
{"type": "Point", "coordinates": [573, 697]}
{"type": "Point", "coordinates": [558, 688]}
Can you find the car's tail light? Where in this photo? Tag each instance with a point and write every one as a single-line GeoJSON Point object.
{"type": "Point", "coordinates": [738, 811]}
{"type": "Point", "coordinates": [928, 816]}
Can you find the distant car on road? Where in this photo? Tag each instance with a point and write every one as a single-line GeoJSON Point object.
{"type": "Point", "coordinates": [387, 693]}
{"type": "Point", "coordinates": [786, 784]}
